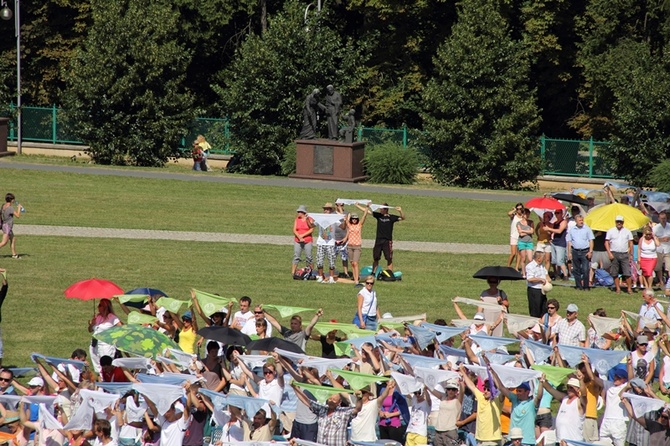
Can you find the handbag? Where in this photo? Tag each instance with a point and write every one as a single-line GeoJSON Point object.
{"type": "Point", "coordinates": [357, 320]}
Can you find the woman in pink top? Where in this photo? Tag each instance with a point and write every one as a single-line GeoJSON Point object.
{"type": "Point", "coordinates": [355, 228]}
{"type": "Point", "coordinates": [104, 320]}
{"type": "Point", "coordinates": [302, 240]}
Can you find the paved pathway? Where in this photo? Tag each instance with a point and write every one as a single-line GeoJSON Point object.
{"type": "Point", "coordinates": [221, 237]}
{"type": "Point", "coordinates": [507, 196]}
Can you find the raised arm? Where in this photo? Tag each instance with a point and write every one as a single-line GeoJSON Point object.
{"type": "Point", "coordinates": [312, 323]}
{"type": "Point", "coordinates": [196, 306]}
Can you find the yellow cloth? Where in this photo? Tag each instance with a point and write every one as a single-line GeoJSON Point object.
{"type": "Point", "coordinates": [591, 401]}
{"type": "Point", "coordinates": [187, 341]}
{"type": "Point", "coordinates": [415, 439]}
{"type": "Point", "coordinates": [488, 418]}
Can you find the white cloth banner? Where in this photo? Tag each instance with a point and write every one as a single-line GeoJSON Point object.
{"type": "Point", "coordinates": [47, 420]}
{"type": "Point", "coordinates": [254, 360]}
{"type": "Point", "coordinates": [432, 377]}
{"type": "Point", "coordinates": [376, 207]}
{"type": "Point", "coordinates": [295, 357]}
{"type": "Point", "coordinates": [133, 363]}
{"type": "Point", "coordinates": [512, 377]}
{"type": "Point", "coordinates": [82, 419]}
{"type": "Point", "coordinates": [412, 318]}
{"type": "Point", "coordinates": [519, 322]}
{"type": "Point", "coordinates": [477, 303]}
{"type": "Point", "coordinates": [323, 364]}
{"type": "Point", "coordinates": [464, 323]}
{"type": "Point", "coordinates": [349, 202]}
{"type": "Point", "coordinates": [326, 220]}
{"type": "Point", "coordinates": [99, 400]}
{"type": "Point", "coordinates": [39, 399]}
{"type": "Point", "coordinates": [407, 384]}
{"type": "Point", "coordinates": [642, 404]}
{"type": "Point", "coordinates": [478, 370]}
{"type": "Point", "coordinates": [162, 395]}
{"type": "Point", "coordinates": [604, 325]}
{"type": "Point", "coordinates": [641, 319]}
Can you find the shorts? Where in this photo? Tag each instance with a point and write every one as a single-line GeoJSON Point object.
{"type": "Point", "coordinates": [513, 240]}
{"type": "Point", "coordinates": [544, 247]}
{"type": "Point", "coordinates": [620, 264]}
{"type": "Point", "coordinates": [528, 246]}
{"type": "Point", "coordinates": [558, 255]}
{"type": "Point", "coordinates": [590, 430]}
{"type": "Point", "coordinates": [383, 246]}
{"type": "Point", "coordinates": [647, 266]}
{"type": "Point", "coordinates": [615, 429]}
{"type": "Point", "coordinates": [354, 253]}
{"type": "Point", "coordinates": [413, 439]}
{"type": "Point", "coordinates": [7, 228]}
{"type": "Point", "coordinates": [341, 250]}
{"type": "Point", "coordinates": [323, 251]}
{"type": "Point", "coordinates": [544, 420]}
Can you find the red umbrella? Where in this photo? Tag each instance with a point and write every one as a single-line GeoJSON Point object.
{"type": "Point", "coordinates": [545, 203]}
{"type": "Point", "coordinates": [93, 289]}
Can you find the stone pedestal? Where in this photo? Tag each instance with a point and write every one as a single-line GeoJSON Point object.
{"type": "Point", "coordinates": [4, 132]}
{"type": "Point", "coordinates": [325, 159]}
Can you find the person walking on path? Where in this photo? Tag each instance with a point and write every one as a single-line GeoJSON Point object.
{"type": "Point", "coordinates": [302, 238]}
{"type": "Point", "coordinates": [10, 209]}
{"type": "Point", "coordinates": [580, 250]}
{"type": "Point", "coordinates": [384, 238]}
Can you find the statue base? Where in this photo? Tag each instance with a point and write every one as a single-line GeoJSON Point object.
{"type": "Point", "coordinates": [326, 159]}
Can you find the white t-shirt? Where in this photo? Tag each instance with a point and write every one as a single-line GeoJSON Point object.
{"type": "Point", "coordinates": [172, 433]}
{"type": "Point", "coordinates": [363, 427]}
{"type": "Point", "coordinates": [418, 417]}
{"type": "Point", "coordinates": [619, 239]}
{"type": "Point", "coordinates": [369, 307]}
{"type": "Point", "coordinates": [231, 432]}
{"type": "Point", "coordinates": [614, 408]}
{"type": "Point", "coordinates": [660, 231]}
{"type": "Point", "coordinates": [242, 318]}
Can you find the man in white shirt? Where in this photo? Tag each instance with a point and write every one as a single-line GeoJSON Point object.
{"type": "Point", "coordinates": [614, 424]}
{"type": "Point", "coordinates": [651, 309]}
{"type": "Point", "coordinates": [619, 247]}
{"type": "Point", "coordinates": [662, 232]}
{"type": "Point", "coordinates": [241, 317]}
{"type": "Point", "coordinates": [536, 277]}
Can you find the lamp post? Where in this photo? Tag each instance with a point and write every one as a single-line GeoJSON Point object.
{"type": "Point", "coordinates": [7, 14]}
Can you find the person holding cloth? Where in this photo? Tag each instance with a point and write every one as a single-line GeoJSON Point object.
{"type": "Point", "coordinates": [580, 249]}
{"type": "Point", "coordinates": [384, 238]}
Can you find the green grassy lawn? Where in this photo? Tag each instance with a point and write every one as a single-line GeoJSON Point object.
{"type": "Point", "coordinates": [36, 316]}
{"type": "Point", "coordinates": [69, 199]}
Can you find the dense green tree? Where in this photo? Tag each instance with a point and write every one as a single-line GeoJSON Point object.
{"type": "Point", "coordinates": [264, 89]}
{"type": "Point", "coordinates": [480, 115]}
{"type": "Point", "coordinates": [126, 89]}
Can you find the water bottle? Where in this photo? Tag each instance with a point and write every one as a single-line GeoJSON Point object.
{"type": "Point", "coordinates": [21, 208]}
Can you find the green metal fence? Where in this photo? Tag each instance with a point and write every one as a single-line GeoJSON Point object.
{"type": "Point", "coordinates": [568, 157]}
{"type": "Point", "coordinates": [47, 125]}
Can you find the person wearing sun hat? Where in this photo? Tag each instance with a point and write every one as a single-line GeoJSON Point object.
{"type": "Point", "coordinates": [570, 416]}
{"type": "Point", "coordinates": [302, 238]}
{"type": "Point", "coordinates": [619, 246]}
{"type": "Point", "coordinates": [570, 330]}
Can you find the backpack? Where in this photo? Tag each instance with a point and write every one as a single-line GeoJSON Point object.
{"type": "Point", "coordinates": [386, 275]}
{"type": "Point", "coordinates": [303, 274]}
{"type": "Point", "coordinates": [603, 278]}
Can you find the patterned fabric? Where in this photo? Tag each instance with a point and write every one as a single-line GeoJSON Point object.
{"type": "Point", "coordinates": [332, 428]}
{"type": "Point", "coordinates": [570, 334]}
{"type": "Point", "coordinates": [321, 252]}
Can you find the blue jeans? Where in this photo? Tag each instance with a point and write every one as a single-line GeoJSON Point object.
{"type": "Point", "coordinates": [370, 322]}
{"type": "Point", "coordinates": [580, 268]}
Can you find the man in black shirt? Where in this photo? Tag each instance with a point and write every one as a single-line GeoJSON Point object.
{"type": "Point", "coordinates": [384, 238]}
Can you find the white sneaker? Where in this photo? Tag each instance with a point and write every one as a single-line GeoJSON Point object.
{"type": "Point", "coordinates": [331, 280]}
{"type": "Point", "coordinates": [319, 279]}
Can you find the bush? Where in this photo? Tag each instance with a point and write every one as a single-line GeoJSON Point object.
{"type": "Point", "coordinates": [288, 163]}
{"type": "Point", "coordinates": [660, 176]}
{"type": "Point", "coordinates": [391, 163]}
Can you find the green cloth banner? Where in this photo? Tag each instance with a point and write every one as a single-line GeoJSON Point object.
{"type": "Point", "coordinates": [555, 375]}
{"type": "Point", "coordinates": [139, 318]}
{"type": "Point", "coordinates": [124, 298]}
{"type": "Point", "coordinates": [170, 304]}
{"type": "Point", "coordinates": [358, 380]}
{"type": "Point", "coordinates": [288, 311]}
{"type": "Point", "coordinates": [343, 348]}
{"type": "Point", "coordinates": [350, 330]}
{"type": "Point", "coordinates": [322, 393]}
{"type": "Point", "coordinates": [211, 303]}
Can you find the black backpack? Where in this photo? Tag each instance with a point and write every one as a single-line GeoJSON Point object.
{"type": "Point", "coordinates": [387, 275]}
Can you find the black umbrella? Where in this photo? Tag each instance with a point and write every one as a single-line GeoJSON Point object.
{"type": "Point", "coordinates": [571, 198]}
{"type": "Point", "coordinates": [269, 344]}
{"type": "Point", "coordinates": [227, 335]}
{"type": "Point", "coordinates": [500, 272]}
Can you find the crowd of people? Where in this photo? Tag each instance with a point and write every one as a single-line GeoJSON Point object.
{"type": "Point", "coordinates": [339, 234]}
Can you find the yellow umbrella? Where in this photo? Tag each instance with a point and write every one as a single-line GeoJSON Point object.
{"type": "Point", "coordinates": [602, 218]}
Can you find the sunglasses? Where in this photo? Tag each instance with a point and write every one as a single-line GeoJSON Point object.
{"type": "Point", "coordinates": [551, 308]}
{"type": "Point", "coordinates": [569, 312]}
{"type": "Point", "coordinates": [258, 312]}
{"type": "Point", "coordinates": [268, 372]}
{"type": "Point", "coordinates": [6, 379]}
{"type": "Point", "coordinates": [369, 283]}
